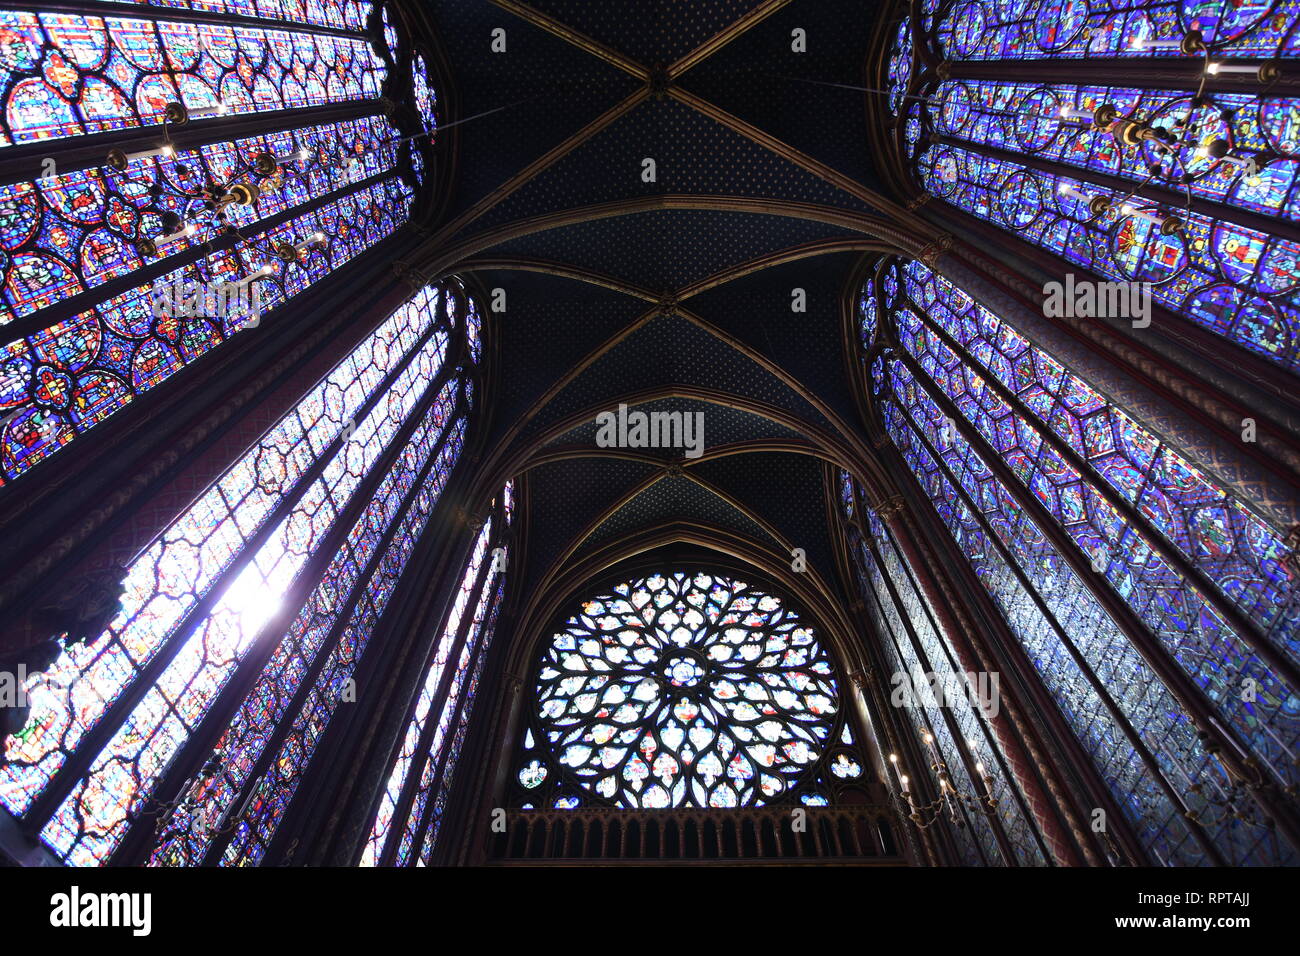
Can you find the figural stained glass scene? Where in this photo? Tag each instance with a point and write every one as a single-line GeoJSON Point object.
{"type": "Point", "coordinates": [952, 518]}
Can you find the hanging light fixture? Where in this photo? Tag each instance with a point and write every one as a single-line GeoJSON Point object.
{"type": "Point", "coordinates": [212, 201]}
{"type": "Point", "coordinates": [950, 799]}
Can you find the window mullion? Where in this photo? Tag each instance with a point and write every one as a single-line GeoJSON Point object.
{"type": "Point", "coordinates": [1133, 627]}
{"type": "Point", "coordinates": [1098, 686]}
{"type": "Point", "coordinates": [950, 723]}
{"type": "Point", "coordinates": [98, 736]}
{"type": "Point", "coordinates": [89, 150]}
{"type": "Point", "coordinates": [65, 309]}
{"type": "Point", "coordinates": [1284, 228]}
{"type": "Point", "coordinates": [410, 785]}
{"type": "Point", "coordinates": [984, 722]}
{"type": "Point", "coordinates": [188, 758]}
{"type": "Point", "coordinates": [1246, 629]}
{"type": "Point", "coordinates": [926, 783]}
{"type": "Point", "coordinates": [274, 743]}
{"type": "Point", "coordinates": [463, 704]}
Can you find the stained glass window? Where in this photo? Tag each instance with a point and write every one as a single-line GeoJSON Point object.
{"type": "Point", "coordinates": [684, 689]}
{"type": "Point", "coordinates": [920, 655]}
{"type": "Point", "coordinates": [407, 823]}
{"type": "Point", "coordinates": [391, 36]}
{"type": "Point", "coordinates": [89, 250]}
{"type": "Point", "coordinates": [257, 602]}
{"type": "Point", "coordinates": [68, 377]}
{"type": "Point", "coordinates": [69, 75]}
{"type": "Point", "coordinates": [426, 101]}
{"type": "Point", "coordinates": [960, 389]}
{"type": "Point", "coordinates": [338, 14]}
{"type": "Point", "coordinates": [1032, 29]}
{"type": "Point", "coordinates": [1188, 185]}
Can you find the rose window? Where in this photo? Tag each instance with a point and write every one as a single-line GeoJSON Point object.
{"type": "Point", "coordinates": [679, 690]}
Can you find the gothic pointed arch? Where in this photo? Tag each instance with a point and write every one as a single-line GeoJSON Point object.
{"type": "Point", "coordinates": [161, 227]}
{"type": "Point", "coordinates": [1147, 594]}
{"type": "Point", "coordinates": [178, 735]}
{"type": "Point", "coordinates": [1144, 143]}
{"type": "Point", "coordinates": [530, 432]}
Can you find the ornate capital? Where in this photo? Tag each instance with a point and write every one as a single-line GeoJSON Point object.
{"type": "Point", "coordinates": [473, 521]}
{"type": "Point", "coordinates": [890, 507]}
{"type": "Point", "coordinates": [931, 252]}
{"type": "Point", "coordinates": [916, 203]}
{"type": "Point", "coordinates": [409, 274]}
{"type": "Point", "coordinates": [943, 70]}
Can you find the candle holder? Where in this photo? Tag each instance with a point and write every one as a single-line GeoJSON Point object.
{"type": "Point", "coordinates": [950, 799]}
{"type": "Point", "coordinates": [1097, 205]}
{"type": "Point", "coordinates": [261, 272]}
{"type": "Point", "coordinates": [267, 164]}
{"type": "Point", "coordinates": [1167, 224]}
{"type": "Point", "coordinates": [178, 114]}
{"type": "Point", "coordinates": [1070, 113]}
{"type": "Point", "coordinates": [193, 794]}
{"type": "Point", "coordinates": [1192, 43]}
{"type": "Point", "coordinates": [1220, 151]}
{"type": "Point", "coordinates": [290, 252]}
{"type": "Point", "coordinates": [1265, 74]}
{"type": "Point", "coordinates": [148, 248]}
{"type": "Point", "coordinates": [119, 159]}
{"type": "Point", "coordinates": [1230, 802]}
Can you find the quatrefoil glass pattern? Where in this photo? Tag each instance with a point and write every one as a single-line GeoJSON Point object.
{"type": "Point", "coordinates": [685, 689]}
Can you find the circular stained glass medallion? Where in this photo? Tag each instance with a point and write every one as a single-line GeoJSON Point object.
{"type": "Point", "coordinates": [683, 689]}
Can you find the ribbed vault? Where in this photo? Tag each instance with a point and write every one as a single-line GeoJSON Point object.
{"type": "Point", "coordinates": [666, 293]}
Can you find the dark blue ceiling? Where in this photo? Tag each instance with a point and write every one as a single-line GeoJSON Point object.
{"type": "Point", "coordinates": [653, 32]}
{"type": "Point", "coordinates": [667, 250]}
{"type": "Point", "coordinates": [549, 88]}
{"type": "Point", "coordinates": [670, 351]}
{"type": "Point", "coordinates": [676, 498]}
{"type": "Point", "coordinates": [801, 97]}
{"type": "Point", "coordinates": [550, 324]}
{"type": "Point", "coordinates": [765, 164]}
{"type": "Point", "coordinates": [693, 156]}
{"type": "Point", "coordinates": [726, 426]}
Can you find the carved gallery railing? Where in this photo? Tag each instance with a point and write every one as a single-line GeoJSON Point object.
{"type": "Point", "coordinates": [851, 834]}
